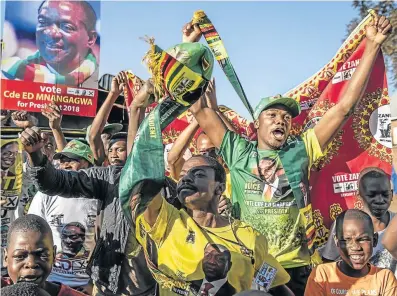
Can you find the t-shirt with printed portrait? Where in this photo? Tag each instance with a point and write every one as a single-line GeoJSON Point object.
{"type": "Point", "coordinates": [187, 259]}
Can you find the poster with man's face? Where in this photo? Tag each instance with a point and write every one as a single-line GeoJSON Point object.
{"type": "Point", "coordinates": [51, 53]}
{"type": "Point", "coordinates": [11, 172]}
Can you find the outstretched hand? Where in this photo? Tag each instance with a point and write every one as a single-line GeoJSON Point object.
{"type": "Point", "coordinates": [119, 82]}
{"type": "Point", "coordinates": [191, 33]}
{"type": "Point", "coordinates": [54, 115]}
{"type": "Point", "coordinates": [141, 100]}
{"type": "Point", "coordinates": [378, 30]}
{"type": "Point", "coordinates": [210, 95]}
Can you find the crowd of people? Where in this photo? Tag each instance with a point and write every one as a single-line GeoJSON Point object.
{"type": "Point", "coordinates": [235, 219]}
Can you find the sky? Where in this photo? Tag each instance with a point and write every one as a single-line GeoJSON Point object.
{"type": "Point", "coordinates": [273, 46]}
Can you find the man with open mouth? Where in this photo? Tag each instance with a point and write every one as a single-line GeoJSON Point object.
{"type": "Point", "coordinates": [286, 221]}
{"type": "Point", "coordinates": [30, 254]}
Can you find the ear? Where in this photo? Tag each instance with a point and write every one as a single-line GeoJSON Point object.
{"type": "Point", "coordinates": [92, 37]}
{"type": "Point", "coordinates": [220, 189]}
{"type": "Point", "coordinates": [5, 257]}
{"type": "Point", "coordinates": [376, 238]}
{"type": "Point", "coordinates": [256, 124]}
{"type": "Point", "coordinates": [55, 251]}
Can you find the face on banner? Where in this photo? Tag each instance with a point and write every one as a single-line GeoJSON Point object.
{"type": "Point", "coordinates": [11, 171]}
{"type": "Point", "coordinates": [47, 43]}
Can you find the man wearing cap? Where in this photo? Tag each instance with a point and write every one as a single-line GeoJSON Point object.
{"type": "Point", "coordinates": [64, 215]}
{"type": "Point", "coordinates": [117, 152]}
{"type": "Point", "coordinates": [285, 219]}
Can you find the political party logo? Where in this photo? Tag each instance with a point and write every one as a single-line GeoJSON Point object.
{"type": "Point", "coordinates": [80, 92]}
{"type": "Point", "coordinates": [380, 125]}
{"type": "Point", "coordinates": [334, 210]}
{"type": "Point", "coordinates": [372, 124]}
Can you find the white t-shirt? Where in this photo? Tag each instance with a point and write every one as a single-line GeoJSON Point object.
{"type": "Point", "coordinates": [380, 256]}
{"type": "Point", "coordinates": [72, 221]}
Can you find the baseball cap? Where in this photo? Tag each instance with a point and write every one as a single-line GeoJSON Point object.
{"type": "Point", "coordinates": [75, 150]}
{"type": "Point", "coordinates": [265, 103]}
{"type": "Point", "coordinates": [117, 137]}
{"type": "Point", "coordinates": [110, 128]}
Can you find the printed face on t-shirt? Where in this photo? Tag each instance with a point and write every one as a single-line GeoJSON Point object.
{"type": "Point", "coordinates": [73, 237]}
{"type": "Point", "coordinates": [29, 256]}
{"type": "Point", "coordinates": [356, 245]}
{"type": "Point", "coordinates": [216, 262]}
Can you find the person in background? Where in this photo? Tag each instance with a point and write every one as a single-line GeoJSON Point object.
{"type": "Point", "coordinates": [353, 274]}
{"type": "Point", "coordinates": [65, 34]}
{"type": "Point", "coordinates": [108, 131]}
{"type": "Point", "coordinates": [99, 133]}
{"type": "Point", "coordinates": [376, 194]}
{"type": "Point", "coordinates": [72, 223]}
{"type": "Point", "coordinates": [117, 153]}
{"type": "Point", "coordinates": [30, 253]}
{"type": "Point", "coordinates": [289, 231]}
{"type": "Point", "coordinates": [389, 240]}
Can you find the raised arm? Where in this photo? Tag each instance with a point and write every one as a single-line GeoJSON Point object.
{"type": "Point", "coordinates": [207, 118]}
{"type": "Point", "coordinates": [89, 183]}
{"type": "Point", "coordinates": [334, 119]}
{"type": "Point", "coordinates": [137, 111]}
{"type": "Point", "coordinates": [94, 137]}
{"type": "Point", "coordinates": [175, 156]}
{"type": "Point", "coordinates": [389, 239]}
{"type": "Point", "coordinates": [54, 115]}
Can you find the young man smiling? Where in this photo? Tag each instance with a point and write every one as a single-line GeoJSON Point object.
{"type": "Point", "coordinates": [353, 275]}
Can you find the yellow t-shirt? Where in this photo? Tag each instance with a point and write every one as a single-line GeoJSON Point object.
{"type": "Point", "coordinates": [327, 279]}
{"type": "Point", "coordinates": [180, 251]}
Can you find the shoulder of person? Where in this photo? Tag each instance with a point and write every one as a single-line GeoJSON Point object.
{"type": "Point", "coordinates": [392, 214]}
{"type": "Point", "coordinates": [379, 271]}
{"type": "Point", "coordinates": [323, 271]}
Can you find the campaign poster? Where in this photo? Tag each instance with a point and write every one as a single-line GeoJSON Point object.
{"type": "Point", "coordinates": [51, 53]}
{"type": "Point", "coordinates": [11, 185]}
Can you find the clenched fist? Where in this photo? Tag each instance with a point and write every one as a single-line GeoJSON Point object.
{"type": "Point", "coordinates": [33, 139]}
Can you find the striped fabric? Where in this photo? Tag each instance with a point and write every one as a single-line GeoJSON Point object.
{"type": "Point", "coordinates": [35, 69]}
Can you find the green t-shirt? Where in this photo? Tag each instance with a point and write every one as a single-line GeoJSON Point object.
{"type": "Point", "coordinates": [270, 207]}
